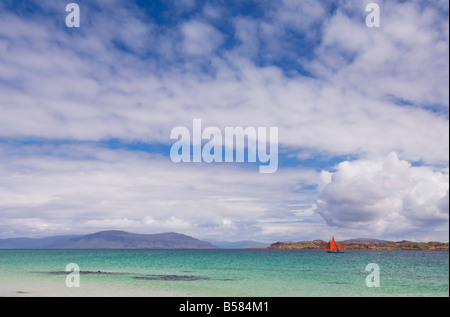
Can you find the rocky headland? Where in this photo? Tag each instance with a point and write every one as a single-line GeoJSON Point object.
{"type": "Point", "coordinates": [365, 245]}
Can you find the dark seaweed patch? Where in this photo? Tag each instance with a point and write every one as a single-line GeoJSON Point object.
{"type": "Point", "coordinates": [153, 277]}
{"type": "Point", "coordinates": [172, 277]}
{"type": "Point", "coordinates": [85, 272]}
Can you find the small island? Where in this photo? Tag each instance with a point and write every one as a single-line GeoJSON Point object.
{"type": "Point", "coordinates": [365, 245]}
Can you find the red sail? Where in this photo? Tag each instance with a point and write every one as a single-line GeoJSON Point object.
{"type": "Point", "coordinates": [341, 246]}
{"type": "Point", "coordinates": [334, 246]}
{"type": "Point", "coordinates": [328, 246]}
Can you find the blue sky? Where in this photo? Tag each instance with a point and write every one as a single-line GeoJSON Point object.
{"type": "Point", "coordinates": [362, 113]}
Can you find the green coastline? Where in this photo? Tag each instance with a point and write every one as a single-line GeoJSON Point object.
{"type": "Point", "coordinates": [366, 245]}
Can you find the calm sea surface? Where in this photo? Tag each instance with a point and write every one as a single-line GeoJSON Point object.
{"type": "Point", "coordinates": [270, 273]}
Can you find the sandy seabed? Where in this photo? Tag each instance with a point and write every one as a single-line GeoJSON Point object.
{"type": "Point", "coordinates": [14, 287]}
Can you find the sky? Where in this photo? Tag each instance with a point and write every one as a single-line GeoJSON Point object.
{"type": "Point", "coordinates": [362, 115]}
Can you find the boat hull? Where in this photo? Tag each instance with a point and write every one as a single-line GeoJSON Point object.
{"type": "Point", "coordinates": [340, 251]}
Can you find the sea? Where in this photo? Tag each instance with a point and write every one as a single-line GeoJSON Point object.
{"type": "Point", "coordinates": [223, 273]}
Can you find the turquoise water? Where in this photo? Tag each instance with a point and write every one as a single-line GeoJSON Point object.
{"type": "Point", "coordinates": [223, 273]}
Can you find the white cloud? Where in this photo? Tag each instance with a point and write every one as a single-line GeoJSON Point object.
{"type": "Point", "coordinates": [123, 76]}
{"type": "Point", "coordinates": [405, 59]}
{"type": "Point", "coordinates": [386, 196]}
{"type": "Point", "coordinates": [82, 87]}
{"type": "Point", "coordinates": [200, 38]}
{"type": "Point", "coordinates": [301, 15]}
{"type": "Point", "coordinates": [82, 188]}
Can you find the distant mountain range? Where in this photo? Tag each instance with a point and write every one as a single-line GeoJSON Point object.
{"type": "Point", "coordinates": [115, 239]}
{"type": "Point", "coordinates": [109, 240]}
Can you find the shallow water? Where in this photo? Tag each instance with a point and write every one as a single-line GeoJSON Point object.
{"type": "Point", "coordinates": [271, 273]}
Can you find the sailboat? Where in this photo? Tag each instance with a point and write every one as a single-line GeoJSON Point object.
{"type": "Point", "coordinates": [332, 247]}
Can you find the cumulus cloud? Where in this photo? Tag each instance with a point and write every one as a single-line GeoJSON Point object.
{"type": "Point", "coordinates": [384, 196]}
